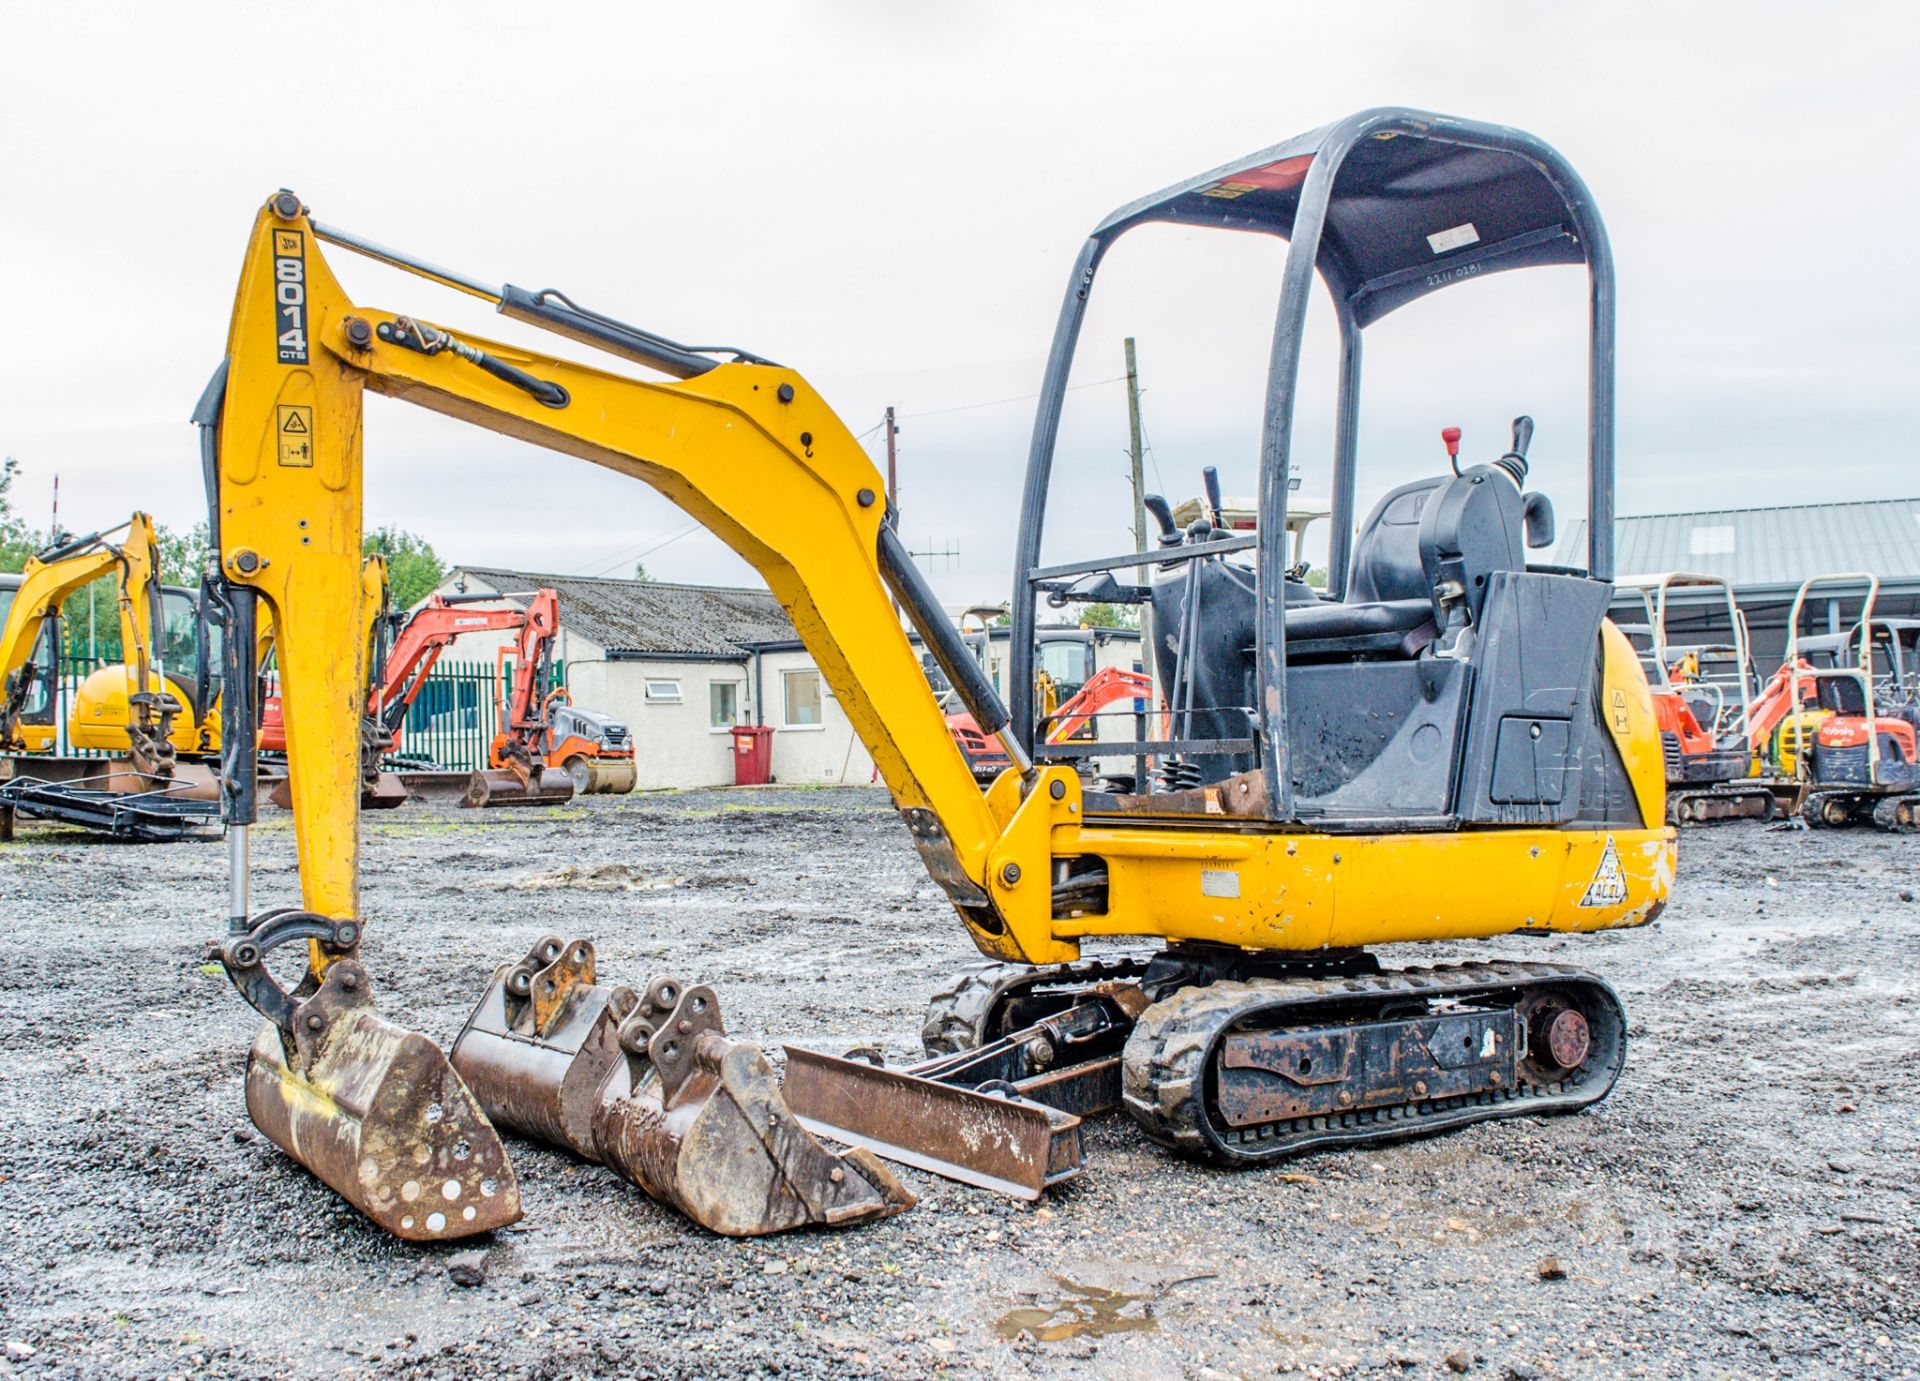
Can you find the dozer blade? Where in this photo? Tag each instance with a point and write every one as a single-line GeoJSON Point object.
{"type": "Point", "coordinates": [501, 787]}
{"type": "Point", "coordinates": [377, 1113]}
{"type": "Point", "coordinates": [651, 1087]}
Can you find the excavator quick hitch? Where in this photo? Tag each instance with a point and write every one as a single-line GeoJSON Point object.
{"type": "Point", "coordinates": [372, 1109]}
{"type": "Point", "coordinates": [649, 1085]}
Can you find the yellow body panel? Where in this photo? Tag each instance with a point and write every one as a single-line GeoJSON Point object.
{"type": "Point", "coordinates": [100, 713]}
{"type": "Point", "coordinates": [785, 485]}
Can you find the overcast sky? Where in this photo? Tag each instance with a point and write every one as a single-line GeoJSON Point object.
{"type": "Point", "coordinates": [888, 196]}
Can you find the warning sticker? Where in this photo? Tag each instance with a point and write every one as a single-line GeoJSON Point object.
{"type": "Point", "coordinates": [1609, 885]}
{"type": "Point", "coordinates": [296, 434]}
{"type": "Point", "coordinates": [1621, 724]}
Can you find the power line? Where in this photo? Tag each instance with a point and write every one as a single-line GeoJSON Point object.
{"type": "Point", "coordinates": [637, 552]}
{"type": "Point", "coordinates": [1001, 402]}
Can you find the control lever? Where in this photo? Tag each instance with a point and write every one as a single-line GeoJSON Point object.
{"type": "Point", "coordinates": [1514, 462]}
{"type": "Point", "coordinates": [1450, 438]}
{"type": "Point", "coordinates": [1210, 481]}
{"type": "Point", "coordinates": [1162, 512]}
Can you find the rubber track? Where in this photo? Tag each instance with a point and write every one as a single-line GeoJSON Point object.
{"type": "Point", "coordinates": [1165, 1067]}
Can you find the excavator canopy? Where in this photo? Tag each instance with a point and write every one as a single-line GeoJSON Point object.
{"type": "Point", "coordinates": [1411, 208]}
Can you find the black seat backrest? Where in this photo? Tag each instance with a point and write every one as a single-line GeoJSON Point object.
{"type": "Point", "coordinates": [1843, 695]}
{"type": "Point", "coordinates": [1474, 526]}
{"type": "Point", "coordinates": [1386, 554]}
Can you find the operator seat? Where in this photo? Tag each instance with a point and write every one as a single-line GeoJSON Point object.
{"type": "Point", "coordinates": [1388, 609]}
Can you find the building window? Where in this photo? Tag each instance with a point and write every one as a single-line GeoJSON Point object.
{"type": "Point", "coordinates": [801, 696]}
{"type": "Point", "coordinates": [663, 692]}
{"type": "Point", "coordinates": [723, 703]}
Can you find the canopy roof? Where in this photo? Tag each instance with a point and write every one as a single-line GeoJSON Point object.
{"type": "Point", "coordinates": [1419, 201]}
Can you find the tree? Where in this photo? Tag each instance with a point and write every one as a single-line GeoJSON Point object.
{"type": "Point", "coordinates": [413, 570]}
{"type": "Point", "coordinates": [17, 540]}
{"type": "Point", "coordinates": [183, 555]}
{"type": "Point", "coordinates": [1108, 616]}
{"type": "Point", "coordinates": [640, 573]}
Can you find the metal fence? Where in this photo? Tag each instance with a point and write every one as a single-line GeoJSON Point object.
{"type": "Point", "coordinates": [452, 722]}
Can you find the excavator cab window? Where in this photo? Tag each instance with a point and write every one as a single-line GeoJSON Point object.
{"type": "Point", "coordinates": [1441, 675]}
{"type": "Point", "coordinates": [189, 647]}
{"type": "Point", "coordinates": [37, 706]}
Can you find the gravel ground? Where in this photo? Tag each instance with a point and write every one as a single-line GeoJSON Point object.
{"type": "Point", "coordinates": [1743, 1205]}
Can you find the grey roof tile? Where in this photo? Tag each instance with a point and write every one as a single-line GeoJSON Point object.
{"type": "Point", "coordinates": [652, 616]}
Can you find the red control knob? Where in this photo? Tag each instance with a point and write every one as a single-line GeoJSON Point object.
{"type": "Point", "coordinates": [1451, 435]}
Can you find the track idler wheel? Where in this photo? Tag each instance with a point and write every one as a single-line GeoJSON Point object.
{"type": "Point", "coordinates": [373, 1110]}
{"type": "Point", "coordinates": [651, 1086]}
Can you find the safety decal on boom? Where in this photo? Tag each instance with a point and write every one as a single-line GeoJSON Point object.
{"type": "Point", "coordinates": [1609, 885]}
{"type": "Point", "coordinates": [296, 434]}
{"type": "Point", "coordinates": [290, 295]}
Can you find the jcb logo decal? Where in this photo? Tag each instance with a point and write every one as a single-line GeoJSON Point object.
{"type": "Point", "coordinates": [290, 295]}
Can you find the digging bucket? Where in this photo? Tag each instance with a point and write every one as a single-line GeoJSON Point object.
{"type": "Point", "coordinates": [652, 1087]}
{"type": "Point", "coordinates": [501, 786]}
{"type": "Point", "coordinates": [375, 1111]}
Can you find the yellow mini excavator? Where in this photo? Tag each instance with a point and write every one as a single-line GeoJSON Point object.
{"type": "Point", "coordinates": [141, 711]}
{"type": "Point", "coordinates": [1449, 743]}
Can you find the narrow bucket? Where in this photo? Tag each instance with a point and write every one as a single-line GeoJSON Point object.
{"type": "Point", "coordinates": [652, 1087]}
{"type": "Point", "coordinates": [379, 1115]}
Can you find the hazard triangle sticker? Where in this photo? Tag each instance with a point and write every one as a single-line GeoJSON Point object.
{"type": "Point", "coordinates": [1609, 885]}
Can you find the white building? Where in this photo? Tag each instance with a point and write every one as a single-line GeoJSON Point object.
{"type": "Point", "coordinates": [681, 665]}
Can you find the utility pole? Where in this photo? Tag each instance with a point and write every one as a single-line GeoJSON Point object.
{"type": "Point", "coordinates": [893, 480]}
{"type": "Point", "coordinates": [1134, 450]}
{"type": "Point", "coordinates": [893, 465]}
{"type": "Point", "coordinates": [1142, 722]}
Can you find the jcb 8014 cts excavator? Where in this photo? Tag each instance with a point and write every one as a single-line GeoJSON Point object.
{"type": "Point", "coordinates": [143, 711]}
{"type": "Point", "coordinates": [1450, 743]}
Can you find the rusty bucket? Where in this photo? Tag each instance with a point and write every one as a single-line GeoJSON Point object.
{"type": "Point", "coordinates": [372, 1109]}
{"type": "Point", "coordinates": [651, 1086]}
{"type": "Point", "coordinates": [502, 786]}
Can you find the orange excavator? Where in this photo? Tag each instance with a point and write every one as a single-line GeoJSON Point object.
{"type": "Point", "coordinates": [547, 747]}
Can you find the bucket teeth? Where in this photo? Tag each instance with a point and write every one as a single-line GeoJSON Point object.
{"type": "Point", "coordinates": [379, 1115]}
{"type": "Point", "coordinates": [652, 1087]}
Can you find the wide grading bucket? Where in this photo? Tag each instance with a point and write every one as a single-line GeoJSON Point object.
{"type": "Point", "coordinates": [651, 1086]}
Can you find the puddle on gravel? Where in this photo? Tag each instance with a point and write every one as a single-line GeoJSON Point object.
{"type": "Point", "coordinates": [1079, 1311]}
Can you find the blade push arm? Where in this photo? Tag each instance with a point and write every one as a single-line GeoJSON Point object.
{"type": "Point", "coordinates": [748, 449]}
